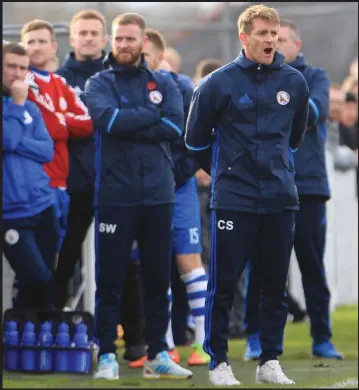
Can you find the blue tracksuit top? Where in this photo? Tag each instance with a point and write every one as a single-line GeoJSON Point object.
{"type": "Point", "coordinates": [246, 120]}
{"type": "Point", "coordinates": [311, 173]}
{"type": "Point", "coordinates": [27, 145]}
{"type": "Point", "coordinates": [136, 114]}
{"type": "Point", "coordinates": [81, 176]}
{"type": "Point", "coordinates": [185, 163]}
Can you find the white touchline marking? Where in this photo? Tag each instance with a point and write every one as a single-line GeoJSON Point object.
{"type": "Point", "coordinates": [342, 385]}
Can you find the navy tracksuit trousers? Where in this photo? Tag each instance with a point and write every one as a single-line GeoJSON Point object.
{"type": "Point", "coordinates": [235, 236]}
{"type": "Point", "coordinates": [115, 231]}
{"type": "Point", "coordinates": [309, 245]}
{"type": "Point", "coordinates": [30, 246]}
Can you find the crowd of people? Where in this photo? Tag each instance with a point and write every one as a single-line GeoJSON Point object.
{"type": "Point", "coordinates": [190, 183]}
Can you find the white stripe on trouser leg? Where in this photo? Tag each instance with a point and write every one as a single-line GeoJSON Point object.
{"type": "Point", "coordinates": [196, 287]}
{"type": "Point", "coordinates": [169, 334]}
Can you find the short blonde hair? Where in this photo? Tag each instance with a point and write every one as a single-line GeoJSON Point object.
{"type": "Point", "coordinates": [256, 11]}
{"type": "Point", "coordinates": [38, 24]}
{"type": "Point", "coordinates": [156, 38]}
{"type": "Point", "coordinates": [129, 18]}
{"type": "Point", "coordinates": [88, 14]}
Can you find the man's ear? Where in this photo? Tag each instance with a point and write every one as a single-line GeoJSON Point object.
{"type": "Point", "coordinates": [243, 37]}
{"type": "Point", "coordinates": [299, 44]}
{"type": "Point", "coordinates": [54, 46]}
{"type": "Point", "coordinates": [71, 40]}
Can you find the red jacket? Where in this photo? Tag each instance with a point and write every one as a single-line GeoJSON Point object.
{"type": "Point", "coordinates": [65, 116]}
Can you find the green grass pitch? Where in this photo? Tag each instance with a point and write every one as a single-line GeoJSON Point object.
{"type": "Point", "coordinates": [295, 361]}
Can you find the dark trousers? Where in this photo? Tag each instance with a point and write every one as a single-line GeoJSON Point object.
{"type": "Point", "coordinates": [235, 237]}
{"type": "Point", "coordinates": [30, 246]}
{"type": "Point", "coordinates": [180, 308]}
{"type": "Point", "coordinates": [115, 231]}
{"type": "Point", "coordinates": [252, 298]}
{"type": "Point", "coordinates": [132, 310]}
{"type": "Point", "coordinates": [309, 245]}
{"type": "Point", "coordinates": [79, 220]}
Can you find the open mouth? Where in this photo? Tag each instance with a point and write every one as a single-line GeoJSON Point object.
{"type": "Point", "coordinates": [268, 50]}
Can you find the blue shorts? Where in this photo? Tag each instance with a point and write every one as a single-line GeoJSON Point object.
{"type": "Point", "coordinates": [187, 220]}
{"type": "Point", "coordinates": [62, 210]}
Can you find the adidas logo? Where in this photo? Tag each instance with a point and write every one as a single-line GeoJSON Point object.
{"type": "Point", "coordinates": [245, 99]}
{"type": "Point", "coordinates": [123, 99]}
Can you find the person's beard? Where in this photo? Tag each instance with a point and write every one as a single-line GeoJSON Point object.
{"type": "Point", "coordinates": [133, 57]}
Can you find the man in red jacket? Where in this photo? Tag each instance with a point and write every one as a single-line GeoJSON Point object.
{"type": "Point", "coordinates": [63, 112]}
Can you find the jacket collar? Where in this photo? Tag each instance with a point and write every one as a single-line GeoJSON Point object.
{"type": "Point", "coordinates": [299, 62]}
{"type": "Point", "coordinates": [91, 66]}
{"type": "Point", "coordinates": [245, 63]}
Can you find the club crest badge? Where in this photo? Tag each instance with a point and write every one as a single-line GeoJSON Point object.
{"type": "Point", "coordinates": [12, 236]}
{"type": "Point", "coordinates": [283, 98]}
{"type": "Point", "coordinates": [156, 97]}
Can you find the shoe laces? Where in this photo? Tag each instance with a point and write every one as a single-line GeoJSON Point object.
{"type": "Point", "coordinates": [277, 369]}
{"type": "Point", "coordinates": [165, 357]}
{"type": "Point", "coordinates": [226, 370]}
{"type": "Point", "coordinates": [106, 360]}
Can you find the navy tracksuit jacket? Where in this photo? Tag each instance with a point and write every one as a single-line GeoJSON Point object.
{"type": "Point", "coordinates": [310, 228]}
{"type": "Point", "coordinates": [258, 115]}
{"type": "Point", "coordinates": [185, 164]}
{"type": "Point", "coordinates": [29, 216]}
{"type": "Point", "coordinates": [136, 114]}
{"type": "Point", "coordinates": [81, 151]}
{"type": "Point", "coordinates": [80, 181]}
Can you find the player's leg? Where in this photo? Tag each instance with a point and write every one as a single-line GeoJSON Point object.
{"type": "Point", "coordinates": [155, 246]}
{"type": "Point", "coordinates": [79, 220]}
{"type": "Point", "coordinates": [178, 313]}
{"type": "Point", "coordinates": [62, 208]}
{"type": "Point", "coordinates": [251, 317]}
{"type": "Point", "coordinates": [233, 238]}
{"type": "Point", "coordinates": [115, 231]}
{"type": "Point", "coordinates": [187, 247]}
{"type": "Point", "coordinates": [47, 236]}
{"type": "Point", "coordinates": [309, 244]}
{"type": "Point", "coordinates": [32, 273]}
{"type": "Point", "coordinates": [132, 313]}
{"type": "Point", "coordinates": [274, 246]}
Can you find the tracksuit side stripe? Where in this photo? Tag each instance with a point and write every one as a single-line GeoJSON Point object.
{"type": "Point", "coordinates": [212, 268]}
{"type": "Point", "coordinates": [113, 117]}
{"type": "Point", "coordinates": [172, 125]}
{"type": "Point", "coordinates": [315, 109]}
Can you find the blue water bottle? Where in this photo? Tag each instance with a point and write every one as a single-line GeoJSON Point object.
{"type": "Point", "coordinates": [11, 338]}
{"type": "Point", "coordinates": [45, 340]}
{"type": "Point", "coordinates": [80, 361]}
{"type": "Point", "coordinates": [28, 356]}
{"type": "Point", "coordinates": [62, 340]}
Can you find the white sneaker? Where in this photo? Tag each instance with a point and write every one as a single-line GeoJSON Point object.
{"type": "Point", "coordinates": [222, 375]}
{"type": "Point", "coordinates": [271, 372]}
{"type": "Point", "coordinates": [107, 367]}
{"type": "Point", "coordinates": [163, 367]}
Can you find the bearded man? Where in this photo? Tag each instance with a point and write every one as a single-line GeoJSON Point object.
{"type": "Point", "coordinates": [136, 114]}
